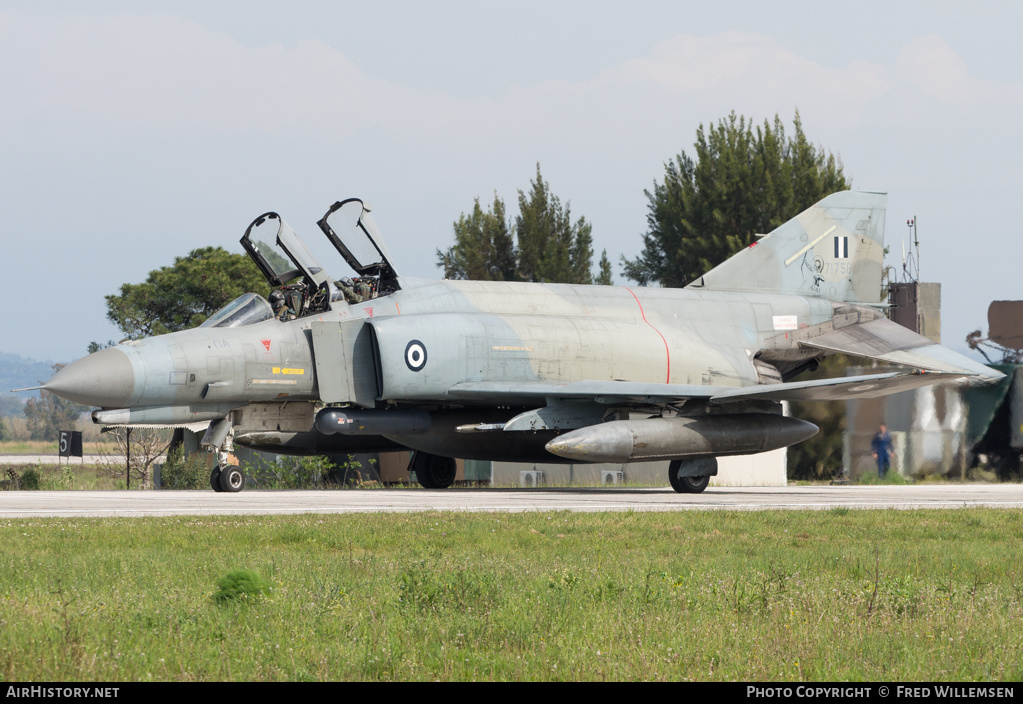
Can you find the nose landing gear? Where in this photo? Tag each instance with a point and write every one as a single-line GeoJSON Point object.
{"type": "Point", "coordinates": [225, 477]}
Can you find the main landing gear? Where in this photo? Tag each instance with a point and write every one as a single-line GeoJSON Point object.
{"type": "Point", "coordinates": [433, 471]}
{"type": "Point", "coordinates": [227, 478]}
{"type": "Point", "coordinates": [691, 476]}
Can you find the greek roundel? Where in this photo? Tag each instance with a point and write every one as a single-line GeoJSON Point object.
{"type": "Point", "coordinates": [415, 355]}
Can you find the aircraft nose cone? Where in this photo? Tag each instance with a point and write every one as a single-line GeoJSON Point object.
{"type": "Point", "coordinates": [104, 378]}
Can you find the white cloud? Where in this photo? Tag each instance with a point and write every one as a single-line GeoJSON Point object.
{"type": "Point", "coordinates": [757, 68]}
{"type": "Point", "coordinates": [171, 74]}
{"type": "Point", "coordinates": [931, 65]}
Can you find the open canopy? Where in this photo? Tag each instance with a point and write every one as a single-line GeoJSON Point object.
{"type": "Point", "coordinates": [350, 228]}
{"type": "Point", "coordinates": [279, 253]}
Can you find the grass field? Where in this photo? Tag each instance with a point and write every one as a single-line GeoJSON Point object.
{"type": "Point", "coordinates": [72, 476]}
{"type": "Point", "coordinates": [767, 596]}
{"type": "Point", "coordinates": [42, 447]}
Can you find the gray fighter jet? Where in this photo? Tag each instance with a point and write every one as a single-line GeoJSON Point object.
{"type": "Point", "coordinates": [522, 372]}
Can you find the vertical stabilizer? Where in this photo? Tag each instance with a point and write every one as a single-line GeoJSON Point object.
{"type": "Point", "coordinates": [833, 249]}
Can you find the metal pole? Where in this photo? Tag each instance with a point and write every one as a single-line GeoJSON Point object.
{"type": "Point", "coordinates": [127, 458]}
{"type": "Point", "coordinates": [916, 243]}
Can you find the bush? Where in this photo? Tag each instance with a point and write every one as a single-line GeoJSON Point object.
{"type": "Point", "coordinates": [30, 478]}
{"type": "Point", "coordinates": [240, 585]}
{"type": "Point", "coordinates": [292, 473]}
{"type": "Point", "coordinates": [180, 472]}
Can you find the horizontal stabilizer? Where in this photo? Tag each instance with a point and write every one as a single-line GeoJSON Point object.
{"type": "Point", "coordinates": [837, 389]}
{"type": "Point", "coordinates": [885, 341]}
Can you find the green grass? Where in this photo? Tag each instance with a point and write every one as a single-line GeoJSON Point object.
{"type": "Point", "coordinates": [71, 476]}
{"type": "Point", "coordinates": [829, 595]}
{"type": "Point", "coordinates": [28, 447]}
{"type": "Point", "coordinates": [48, 447]}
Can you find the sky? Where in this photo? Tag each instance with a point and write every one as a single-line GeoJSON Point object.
{"type": "Point", "coordinates": [134, 132]}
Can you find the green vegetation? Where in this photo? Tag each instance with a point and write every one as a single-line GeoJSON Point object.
{"type": "Point", "coordinates": [180, 472]}
{"type": "Point", "coordinates": [741, 183]}
{"type": "Point", "coordinates": [240, 585]}
{"type": "Point", "coordinates": [820, 457]}
{"type": "Point", "coordinates": [183, 295]}
{"type": "Point", "coordinates": [65, 476]}
{"type": "Point", "coordinates": [30, 479]}
{"type": "Point", "coordinates": [830, 595]}
{"type": "Point", "coordinates": [551, 247]}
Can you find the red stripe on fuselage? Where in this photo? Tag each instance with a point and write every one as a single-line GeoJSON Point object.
{"type": "Point", "coordinates": [667, 352]}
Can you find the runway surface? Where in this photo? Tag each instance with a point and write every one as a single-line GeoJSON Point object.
{"type": "Point", "coordinates": [31, 504]}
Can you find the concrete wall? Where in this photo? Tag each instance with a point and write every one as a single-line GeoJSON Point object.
{"type": "Point", "coordinates": [765, 469]}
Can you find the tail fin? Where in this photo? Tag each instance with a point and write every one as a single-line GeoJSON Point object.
{"type": "Point", "coordinates": [833, 249]}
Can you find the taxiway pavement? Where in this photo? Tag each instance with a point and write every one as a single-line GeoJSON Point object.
{"type": "Point", "coordinates": [28, 504]}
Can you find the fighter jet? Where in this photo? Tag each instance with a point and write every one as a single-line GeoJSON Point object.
{"type": "Point", "coordinates": [522, 372]}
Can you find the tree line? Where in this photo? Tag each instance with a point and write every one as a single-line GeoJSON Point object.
{"type": "Point", "coordinates": [741, 180]}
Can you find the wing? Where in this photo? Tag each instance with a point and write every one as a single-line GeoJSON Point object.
{"type": "Point", "coordinates": [626, 393]}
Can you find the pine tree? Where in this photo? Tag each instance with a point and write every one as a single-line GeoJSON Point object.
{"type": "Point", "coordinates": [550, 247]}
{"type": "Point", "coordinates": [483, 248]}
{"type": "Point", "coordinates": [606, 278]}
{"type": "Point", "coordinates": [742, 182]}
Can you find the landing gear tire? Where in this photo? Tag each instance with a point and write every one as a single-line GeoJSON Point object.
{"type": "Point", "coordinates": [433, 471]}
{"type": "Point", "coordinates": [215, 480]}
{"type": "Point", "coordinates": [685, 485]}
{"type": "Point", "coordinates": [232, 479]}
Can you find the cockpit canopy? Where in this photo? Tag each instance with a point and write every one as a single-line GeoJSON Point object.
{"type": "Point", "coordinates": [350, 228]}
{"type": "Point", "coordinates": [279, 252]}
{"type": "Point", "coordinates": [247, 309]}
{"type": "Point", "coordinates": [288, 263]}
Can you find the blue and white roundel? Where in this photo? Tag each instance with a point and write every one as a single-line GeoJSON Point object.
{"type": "Point", "coordinates": [415, 355]}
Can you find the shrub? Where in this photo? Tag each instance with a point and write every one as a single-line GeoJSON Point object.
{"type": "Point", "coordinates": [240, 585]}
{"type": "Point", "coordinates": [292, 473]}
{"type": "Point", "coordinates": [181, 472]}
{"type": "Point", "coordinates": [30, 478]}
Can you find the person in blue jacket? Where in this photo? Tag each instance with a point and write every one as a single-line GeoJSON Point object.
{"type": "Point", "coordinates": [882, 447]}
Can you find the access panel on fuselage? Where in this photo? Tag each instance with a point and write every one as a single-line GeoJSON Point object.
{"type": "Point", "coordinates": [346, 370]}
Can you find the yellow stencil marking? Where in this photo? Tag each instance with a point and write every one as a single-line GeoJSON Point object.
{"type": "Point", "coordinates": [511, 348]}
{"type": "Point", "coordinates": [286, 370]}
